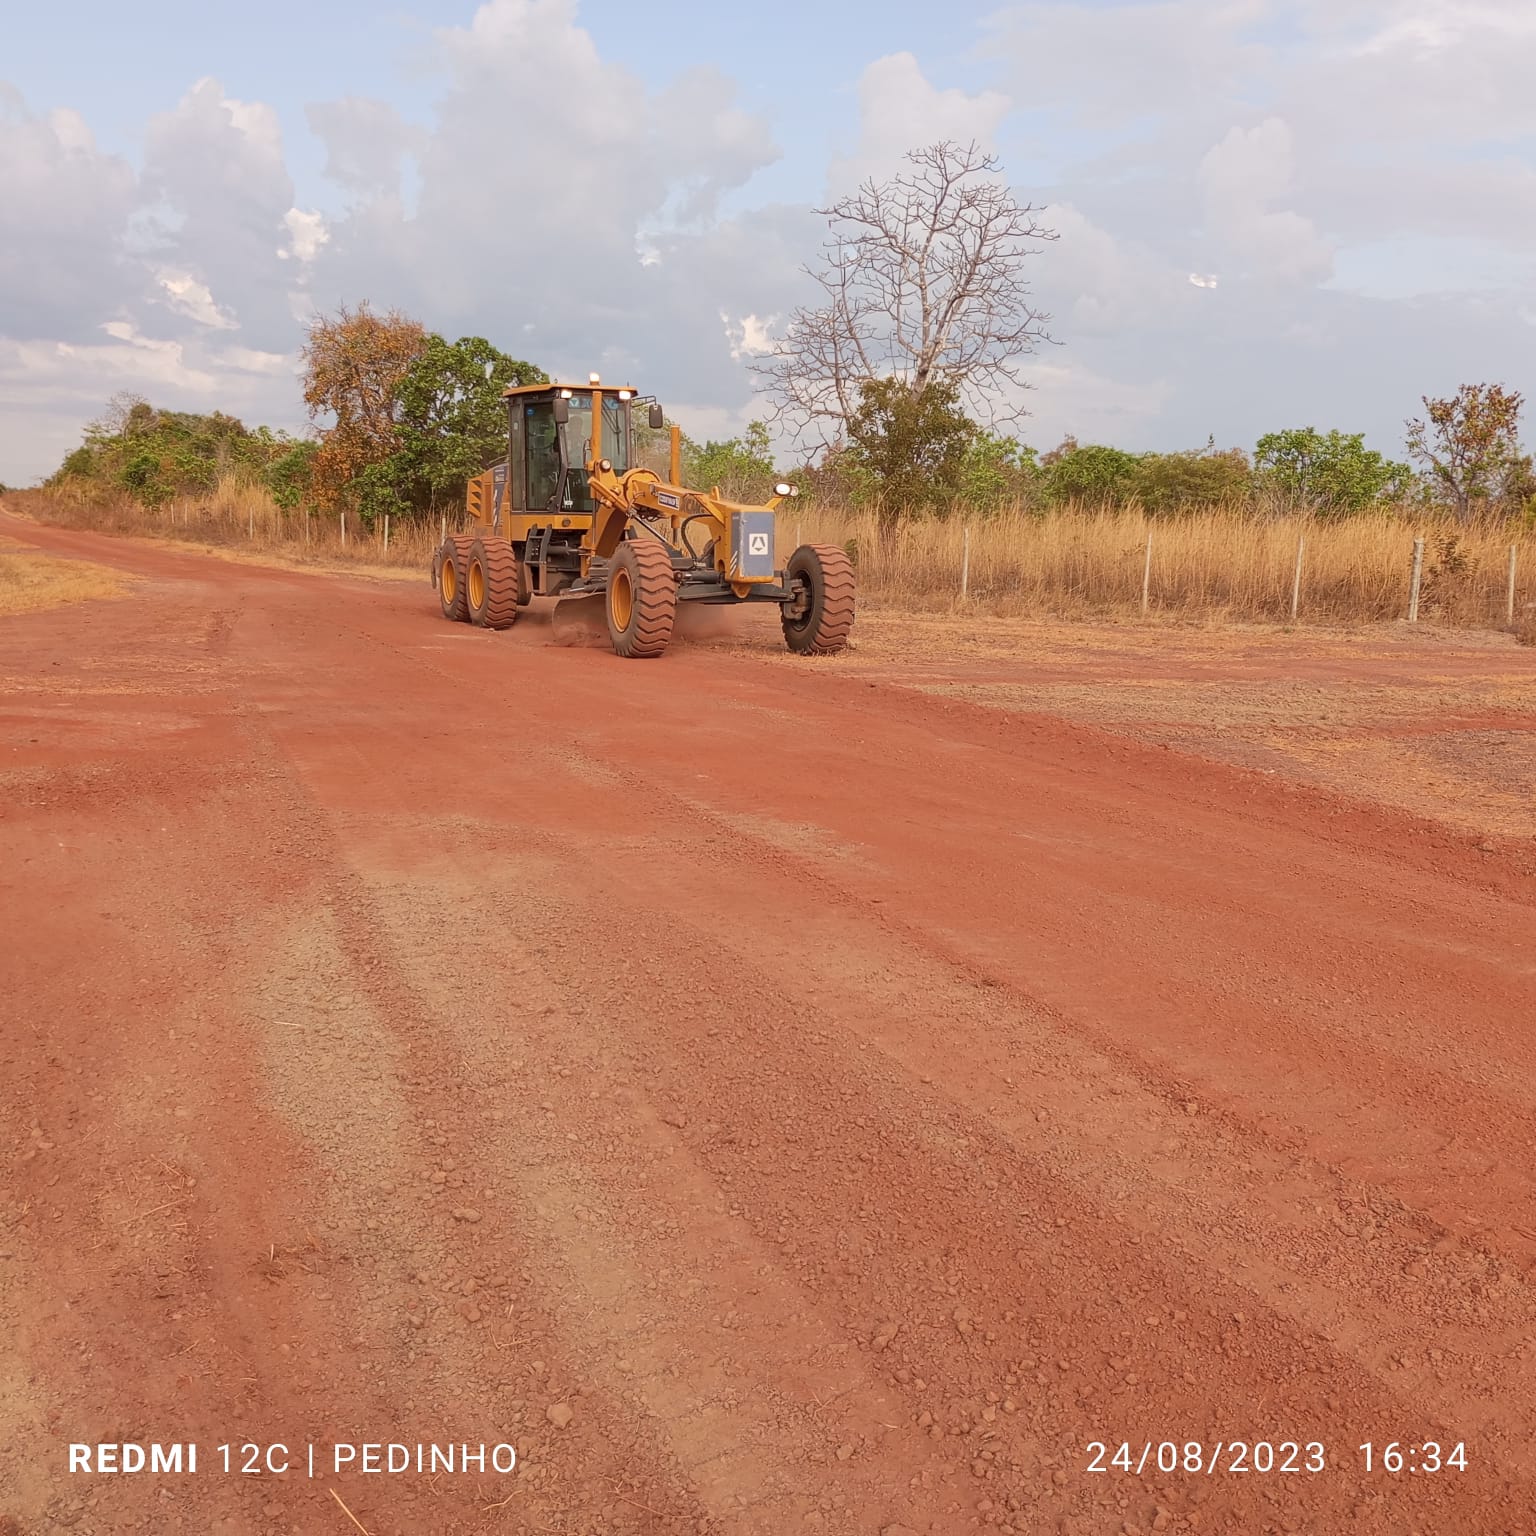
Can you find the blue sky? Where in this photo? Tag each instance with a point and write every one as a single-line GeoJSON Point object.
{"type": "Point", "coordinates": [629, 186]}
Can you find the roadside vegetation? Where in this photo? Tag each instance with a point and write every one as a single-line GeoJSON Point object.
{"type": "Point", "coordinates": [900, 397]}
{"type": "Point", "coordinates": [30, 581]}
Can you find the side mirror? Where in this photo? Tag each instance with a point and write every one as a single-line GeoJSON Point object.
{"type": "Point", "coordinates": [654, 419]}
{"type": "Point", "coordinates": [562, 411]}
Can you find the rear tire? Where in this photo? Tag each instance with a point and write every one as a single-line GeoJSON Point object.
{"type": "Point", "coordinates": [451, 572]}
{"type": "Point", "coordinates": [641, 600]}
{"type": "Point", "coordinates": [491, 588]}
{"type": "Point", "coordinates": [819, 614]}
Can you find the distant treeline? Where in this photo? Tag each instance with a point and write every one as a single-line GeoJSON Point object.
{"type": "Point", "coordinates": [404, 418]}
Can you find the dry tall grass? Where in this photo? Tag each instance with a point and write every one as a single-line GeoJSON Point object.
{"type": "Point", "coordinates": [1073, 563]}
{"type": "Point", "coordinates": [1078, 563]}
{"type": "Point", "coordinates": [240, 517]}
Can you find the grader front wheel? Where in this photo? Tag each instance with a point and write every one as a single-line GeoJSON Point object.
{"type": "Point", "coordinates": [452, 563]}
{"type": "Point", "coordinates": [641, 599]}
{"type": "Point", "coordinates": [492, 584]}
{"type": "Point", "coordinates": [819, 612]}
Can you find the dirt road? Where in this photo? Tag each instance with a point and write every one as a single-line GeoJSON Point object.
{"type": "Point", "coordinates": [771, 1098]}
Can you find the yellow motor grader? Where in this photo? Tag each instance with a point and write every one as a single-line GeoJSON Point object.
{"type": "Point", "coordinates": [569, 514]}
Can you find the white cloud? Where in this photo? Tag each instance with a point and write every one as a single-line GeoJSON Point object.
{"type": "Point", "coordinates": [899, 110]}
{"type": "Point", "coordinates": [748, 335]}
{"type": "Point", "coordinates": [1096, 283]}
{"type": "Point", "coordinates": [307, 232]}
{"type": "Point", "coordinates": [609, 247]}
{"type": "Point", "coordinates": [1240, 177]}
{"type": "Point", "coordinates": [188, 297]}
{"type": "Point", "coordinates": [366, 142]}
{"type": "Point", "coordinates": [64, 205]}
{"type": "Point", "coordinates": [219, 194]}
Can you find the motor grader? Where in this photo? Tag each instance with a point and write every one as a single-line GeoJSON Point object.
{"type": "Point", "coordinates": [570, 514]}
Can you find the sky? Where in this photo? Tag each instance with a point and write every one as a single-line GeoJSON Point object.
{"type": "Point", "coordinates": [1270, 213]}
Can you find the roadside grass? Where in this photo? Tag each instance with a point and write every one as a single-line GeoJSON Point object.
{"type": "Point", "coordinates": [1216, 566]}
{"type": "Point", "coordinates": [1224, 565]}
{"type": "Point", "coordinates": [31, 581]}
{"type": "Point", "coordinates": [243, 521]}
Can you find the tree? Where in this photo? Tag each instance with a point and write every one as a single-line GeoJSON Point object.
{"type": "Point", "coordinates": [1175, 482]}
{"type": "Point", "coordinates": [450, 421]}
{"type": "Point", "coordinates": [998, 471]}
{"type": "Point", "coordinates": [1328, 472]}
{"type": "Point", "coordinates": [1094, 474]}
{"type": "Point", "coordinates": [910, 443]}
{"type": "Point", "coordinates": [155, 455]}
{"type": "Point", "coordinates": [741, 466]}
{"type": "Point", "coordinates": [354, 365]}
{"type": "Point", "coordinates": [1469, 447]}
{"type": "Point", "coordinates": [923, 285]}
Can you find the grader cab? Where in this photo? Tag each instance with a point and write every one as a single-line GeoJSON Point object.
{"type": "Point", "coordinates": [570, 514]}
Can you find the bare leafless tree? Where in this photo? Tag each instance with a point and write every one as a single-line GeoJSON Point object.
{"type": "Point", "coordinates": [923, 277]}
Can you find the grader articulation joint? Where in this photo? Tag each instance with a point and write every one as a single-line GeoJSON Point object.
{"type": "Point", "coordinates": [569, 514]}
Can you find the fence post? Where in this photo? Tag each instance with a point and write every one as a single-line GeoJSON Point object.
{"type": "Point", "coordinates": [965, 561]}
{"type": "Point", "coordinates": [442, 537]}
{"type": "Point", "coordinates": [250, 523]}
{"type": "Point", "coordinates": [306, 522]}
{"type": "Point", "coordinates": [1301, 544]}
{"type": "Point", "coordinates": [797, 535]}
{"type": "Point", "coordinates": [1413, 586]}
{"type": "Point", "coordinates": [386, 533]}
{"type": "Point", "coordinates": [1509, 591]}
{"type": "Point", "coordinates": [1146, 576]}
{"type": "Point", "coordinates": [343, 530]}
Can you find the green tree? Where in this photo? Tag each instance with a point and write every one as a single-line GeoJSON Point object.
{"type": "Point", "coordinates": [1174, 482]}
{"type": "Point", "coordinates": [1468, 448]}
{"type": "Point", "coordinates": [156, 455]}
{"type": "Point", "coordinates": [910, 443]}
{"type": "Point", "coordinates": [1329, 472]}
{"type": "Point", "coordinates": [742, 467]}
{"type": "Point", "coordinates": [1095, 474]}
{"type": "Point", "coordinates": [450, 421]}
{"type": "Point", "coordinates": [998, 471]}
{"type": "Point", "coordinates": [290, 472]}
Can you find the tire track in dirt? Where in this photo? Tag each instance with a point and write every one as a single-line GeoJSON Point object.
{"type": "Point", "coordinates": [1280, 1341]}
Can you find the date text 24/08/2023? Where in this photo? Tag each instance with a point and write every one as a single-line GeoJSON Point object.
{"type": "Point", "coordinates": [1196, 1457]}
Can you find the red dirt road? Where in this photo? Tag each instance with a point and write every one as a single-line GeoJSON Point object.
{"type": "Point", "coordinates": [772, 1100]}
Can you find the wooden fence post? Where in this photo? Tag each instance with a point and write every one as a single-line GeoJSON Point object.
{"type": "Point", "coordinates": [1146, 576]}
{"type": "Point", "coordinates": [1509, 590]}
{"type": "Point", "coordinates": [1417, 578]}
{"type": "Point", "coordinates": [965, 561]}
{"type": "Point", "coordinates": [442, 537]}
{"type": "Point", "coordinates": [306, 522]}
{"type": "Point", "coordinates": [386, 533]}
{"type": "Point", "coordinates": [1301, 544]}
{"type": "Point", "coordinates": [343, 530]}
{"type": "Point", "coordinates": [250, 523]}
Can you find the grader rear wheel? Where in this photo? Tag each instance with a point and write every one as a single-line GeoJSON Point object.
{"type": "Point", "coordinates": [641, 599]}
{"type": "Point", "coordinates": [819, 612]}
{"type": "Point", "coordinates": [452, 570]}
{"type": "Point", "coordinates": [492, 584]}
